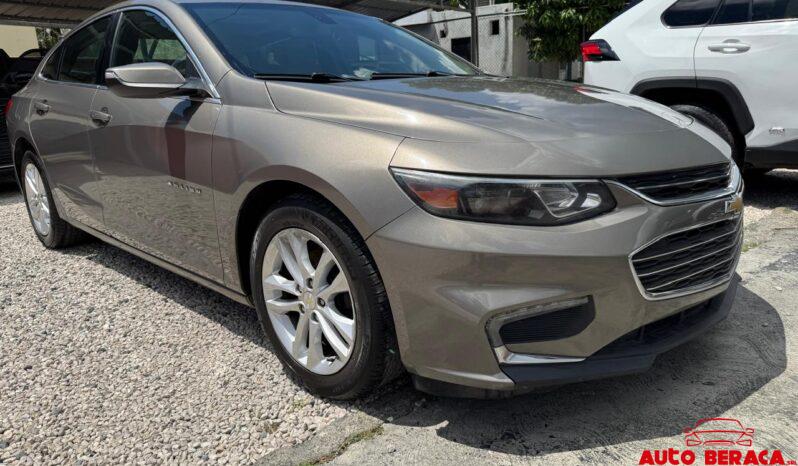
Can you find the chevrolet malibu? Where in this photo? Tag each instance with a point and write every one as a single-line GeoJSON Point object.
{"type": "Point", "coordinates": [382, 204]}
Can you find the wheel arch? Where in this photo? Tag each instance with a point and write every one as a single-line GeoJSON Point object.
{"type": "Point", "coordinates": [719, 94]}
{"type": "Point", "coordinates": [260, 199]}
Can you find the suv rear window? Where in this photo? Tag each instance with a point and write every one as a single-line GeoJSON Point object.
{"type": "Point", "coordinates": [765, 10]}
{"type": "Point", "coordinates": [690, 13]}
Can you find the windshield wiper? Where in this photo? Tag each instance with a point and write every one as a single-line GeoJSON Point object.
{"type": "Point", "coordinates": [313, 77]}
{"type": "Point", "coordinates": [428, 74]}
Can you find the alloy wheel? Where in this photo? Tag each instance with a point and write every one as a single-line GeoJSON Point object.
{"type": "Point", "coordinates": [36, 196]}
{"type": "Point", "coordinates": [309, 301]}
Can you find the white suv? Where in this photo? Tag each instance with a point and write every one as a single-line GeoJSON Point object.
{"type": "Point", "coordinates": [730, 64]}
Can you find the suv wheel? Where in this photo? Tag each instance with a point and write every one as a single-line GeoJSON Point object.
{"type": "Point", "coordinates": [50, 228]}
{"type": "Point", "coordinates": [716, 124]}
{"type": "Point", "coordinates": [321, 301]}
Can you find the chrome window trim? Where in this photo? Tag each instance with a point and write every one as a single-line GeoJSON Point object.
{"type": "Point", "coordinates": [505, 356]}
{"type": "Point", "coordinates": [693, 289]}
{"type": "Point", "coordinates": [192, 56]}
{"type": "Point", "coordinates": [733, 187]}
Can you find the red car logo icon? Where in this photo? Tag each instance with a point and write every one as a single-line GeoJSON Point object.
{"type": "Point", "coordinates": [718, 431]}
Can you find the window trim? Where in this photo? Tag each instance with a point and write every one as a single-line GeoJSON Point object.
{"type": "Point", "coordinates": [707, 23]}
{"type": "Point", "coordinates": [114, 27]}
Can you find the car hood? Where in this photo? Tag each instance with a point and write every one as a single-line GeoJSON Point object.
{"type": "Point", "coordinates": [576, 128]}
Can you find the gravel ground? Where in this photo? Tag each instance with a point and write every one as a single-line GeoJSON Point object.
{"type": "Point", "coordinates": [106, 358]}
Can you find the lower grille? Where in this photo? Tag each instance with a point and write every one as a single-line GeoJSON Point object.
{"type": "Point", "coordinates": [690, 259]}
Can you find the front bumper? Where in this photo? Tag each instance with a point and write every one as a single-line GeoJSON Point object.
{"type": "Point", "coordinates": [447, 279]}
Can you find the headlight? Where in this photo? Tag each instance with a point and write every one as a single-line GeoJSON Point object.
{"type": "Point", "coordinates": [512, 201]}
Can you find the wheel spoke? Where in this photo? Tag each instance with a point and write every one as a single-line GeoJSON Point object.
{"type": "Point", "coordinates": [315, 351]}
{"type": "Point", "coordinates": [299, 346]}
{"type": "Point", "coordinates": [344, 325]}
{"type": "Point", "coordinates": [290, 262]}
{"type": "Point", "coordinates": [325, 265]}
{"type": "Point", "coordinates": [276, 282]}
{"type": "Point", "coordinates": [30, 180]}
{"type": "Point", "coordinates": [282, 306]}
{"type": "Point", "coordinates": [333, 338]}
{"type": "Point", "coordinates": [337, 286]}
{"type": "Point", "coordinates": [299, 246]}
{"type": "Point", "coordinates": [40, 184]}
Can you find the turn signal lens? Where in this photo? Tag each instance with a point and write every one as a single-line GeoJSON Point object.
{"type": "Point", "coordinates": [510, 201]}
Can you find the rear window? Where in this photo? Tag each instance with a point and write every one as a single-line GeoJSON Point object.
{"type": "Point", "coordinates": [767, 10]}
{"type": "Point", "coordinates": [690, 13]}
{"type": "Point", "coordinates": [734, 11]}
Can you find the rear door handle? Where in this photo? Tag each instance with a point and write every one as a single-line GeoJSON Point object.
{"type": "Point", "coordinates": [730, 46]}
{"type": "Point", "coordinates": [100, 117]}
{"type": "Point", "coordinates": [41, 107]}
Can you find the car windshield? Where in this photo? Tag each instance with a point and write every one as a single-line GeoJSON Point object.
{"type": "Point", "coordinates": [282, 41]}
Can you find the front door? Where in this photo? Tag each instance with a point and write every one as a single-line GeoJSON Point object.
{"type": "Point", "coordinates": [154, 155]}
{"type": "Point", "coordinates": [60, 121]}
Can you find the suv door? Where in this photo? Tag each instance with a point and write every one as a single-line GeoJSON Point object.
{"type": "Point", "coordinates": [59, 121]}
{"type": "Point", "coordinates": [154, 155]}
{"type": "Point", "coordinates": [752, 45]}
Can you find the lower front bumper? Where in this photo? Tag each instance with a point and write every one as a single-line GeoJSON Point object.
{"type": "Point", "coordinates": [633, 353]}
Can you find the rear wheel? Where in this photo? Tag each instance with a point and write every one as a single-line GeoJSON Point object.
{"type": "Point", "coordinates": [717, 124]}
{"type": "Point", "coordinates": [321, 301]}
{"type": "Point", "coordinates": [49, 227]}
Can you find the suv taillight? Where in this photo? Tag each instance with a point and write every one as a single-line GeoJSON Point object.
{"type": "Point", "coordinates": [9, 104]}
{"type": "Point", "coordinates": [598, 50]}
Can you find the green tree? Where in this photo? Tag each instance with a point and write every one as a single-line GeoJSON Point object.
{"type": "Point", "coordinates": [48, 37]}
{"type": "Point", "coordinates": [555, 28]}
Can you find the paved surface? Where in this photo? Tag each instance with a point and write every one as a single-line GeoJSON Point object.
{"type": "Point", "coordinates": [106, 358]}
{"type": "Point", "coordinates": [744, 368]}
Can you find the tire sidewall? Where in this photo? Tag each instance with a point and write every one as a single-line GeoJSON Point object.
{"type": "Point", "coordinates": [364, 354]}
{"type": "Point", "coordinates": [30, 158]}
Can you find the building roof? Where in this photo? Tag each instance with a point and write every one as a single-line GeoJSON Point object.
{"type": "Point", "coordinates": [70, 12]}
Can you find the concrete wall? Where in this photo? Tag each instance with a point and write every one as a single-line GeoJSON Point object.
{"type": "Point", "coordinates": [17, 39]}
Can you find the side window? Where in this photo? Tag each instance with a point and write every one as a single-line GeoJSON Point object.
{"type": "Point", "coordinates": [144, 37]}
{"type": "Point", "coordinates": [50, 69]}
{"type": "Point", "coordinates": [690, 13]}
{"type": "Point", "coordinates": [82, 52]}
{"type": "Point", "coordinates": [766, 10]}
{"type": "Point", "coordinates": [734, 11]}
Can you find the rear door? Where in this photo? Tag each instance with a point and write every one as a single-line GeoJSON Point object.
{"type": "Point", "coordinates": [154, 154]}
{"type": "Point", "coordinates": [60, 121]}
{"type": "Point", "coordinates": [754, 45]}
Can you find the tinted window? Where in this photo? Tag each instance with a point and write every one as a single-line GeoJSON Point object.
{"type": "Point", "coordinates": [690, 13]}
{"type": "Point", "coordinates": [144, 37]}
{"type": "Point", "coordinates": [734, 11]}
{"type": "Point", "coordinates": [259, 38]}
{"type": "Point", "coordinates": [50, 69]}
{"type": "Point", "coordinates": [82, 52]}
{"type": "Point", "coordinates": [765, 10]}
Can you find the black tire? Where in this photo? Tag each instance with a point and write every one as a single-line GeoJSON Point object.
{"type": "Point", "coordinates": [61, 234]}
{"type": "Point", "coordinates": [375, 357]}
{"type": "Point", "coordinates": [717, 124]}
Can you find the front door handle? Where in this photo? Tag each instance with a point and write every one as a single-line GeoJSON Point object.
{"type": "Point", "coordinates": [100, 117]}
{"type": "Point", "coordinates": [730, 46]}
{"type": "Point", "coordinates": [41, 107]}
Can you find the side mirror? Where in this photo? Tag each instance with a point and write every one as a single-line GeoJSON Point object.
{"type": "Point", "coordinates": [150, 80]}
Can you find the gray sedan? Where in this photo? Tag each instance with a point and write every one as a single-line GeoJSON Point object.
{"type": "Point", "coordinates": [384, 205]}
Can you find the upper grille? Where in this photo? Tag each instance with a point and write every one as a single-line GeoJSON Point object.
{"type": "Point", "coordinates": [681, 184]}
{"type": "Point", "coordinates": [689, 259]}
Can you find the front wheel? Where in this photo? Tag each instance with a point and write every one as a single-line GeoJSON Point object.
{"type": "Point", "coordinates": [321, 300]}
